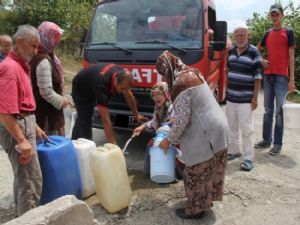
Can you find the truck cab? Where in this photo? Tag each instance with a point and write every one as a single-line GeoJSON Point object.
{"type": "Point", "coordinates": [133, 33]}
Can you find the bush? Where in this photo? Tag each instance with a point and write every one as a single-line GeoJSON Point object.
{"type": "Point", "coordinates": [71, 15]}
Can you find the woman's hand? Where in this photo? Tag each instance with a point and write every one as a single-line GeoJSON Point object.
{"type": "Point", "coordinates": [137, 131]}
{"type": "Point", "coordinates": [164, 145]}
{"type": "Point", "coordinates": [40, 134]}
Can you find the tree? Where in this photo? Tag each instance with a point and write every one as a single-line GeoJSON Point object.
{"type": "Point", "coordinates": [71, 15]}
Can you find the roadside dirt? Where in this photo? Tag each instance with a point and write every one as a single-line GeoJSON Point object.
{"type": "Point", "coordinates": [268, 195]}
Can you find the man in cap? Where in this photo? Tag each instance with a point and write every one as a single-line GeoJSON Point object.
{"type": "Point", "coordinates": [244, 77]}
{"type": "Point", "coordinates": [279, 66]}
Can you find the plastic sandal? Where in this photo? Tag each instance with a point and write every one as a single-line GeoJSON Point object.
{"type": "Point", "coordinates": [247, 165]}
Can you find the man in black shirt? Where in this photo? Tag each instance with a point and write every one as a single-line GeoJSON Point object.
{"type": "Point", "coordinates": [94, 86]}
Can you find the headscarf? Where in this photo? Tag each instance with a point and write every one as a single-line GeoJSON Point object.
{"type": "Point", "coordinates": [50, 34]}
{"type": "Point", "coordinates": [178, 75]}
{"type": "Point", "coordinates": [161, 113]}
{"type": "Point", "coordinates": [161, 88]}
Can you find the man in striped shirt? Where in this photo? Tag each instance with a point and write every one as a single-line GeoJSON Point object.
{"type": "Point", "coordinates": [242, 92]}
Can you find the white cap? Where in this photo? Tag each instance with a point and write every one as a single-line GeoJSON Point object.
{"type": "Point", "coordinates": [240, 25]}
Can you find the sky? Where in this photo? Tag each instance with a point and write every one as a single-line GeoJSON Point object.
{"type": "Point", "coordinates": [237, 11]}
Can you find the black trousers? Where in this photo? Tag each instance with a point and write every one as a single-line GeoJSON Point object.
{"type": "Point", "coordinates": [85, 109]}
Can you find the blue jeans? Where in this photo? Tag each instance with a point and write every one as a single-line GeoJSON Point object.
{"type": "Point", "coordinates": [275, 90]}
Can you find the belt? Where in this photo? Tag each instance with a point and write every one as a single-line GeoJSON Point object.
{"type": "Point", "coordinates": [23, 114]}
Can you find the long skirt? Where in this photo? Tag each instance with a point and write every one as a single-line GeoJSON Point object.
{"type": "Point", "coordinates": [204, 183]}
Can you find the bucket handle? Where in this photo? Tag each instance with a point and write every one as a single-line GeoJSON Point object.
{"type": "Point", "coordinates": [286, 95]}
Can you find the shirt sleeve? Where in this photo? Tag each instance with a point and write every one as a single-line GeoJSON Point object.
{"type": "Point", "coordinates": [44, 83]}
{"type": "Point", "coordinates": [182, 112]}
{"type": "Point", "coordinates": [291, 37]}
{"type": "Point", "coordinates": [256, 67]}
{"type": "Point", "coordinates": [151, 124]}
{"type": "Point", "coordinates": [8, 96]}
{"type": "Point", "coordinates": [262, 43]}
{"type": "Point", "coordinates": [102, 94]}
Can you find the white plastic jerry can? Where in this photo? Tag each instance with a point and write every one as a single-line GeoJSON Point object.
{"type": "Point", "coordinates": [83, 148]}
{"type": "Point", "coordinates": [112, 184]}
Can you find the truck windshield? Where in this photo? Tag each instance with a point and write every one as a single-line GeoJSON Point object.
{"type": "Point", "coordinates": [134, 24]}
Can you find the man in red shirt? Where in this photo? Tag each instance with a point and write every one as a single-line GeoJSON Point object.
{"type": "Point", "coordinates": [279, 77]}
{"type": "Point", "coordinates": [18, 129]}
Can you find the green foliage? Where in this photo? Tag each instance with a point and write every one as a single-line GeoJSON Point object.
{"type": "Point", "coordinates": [258, 24]}
{"type": "Point", "coordinates": [71, 15]}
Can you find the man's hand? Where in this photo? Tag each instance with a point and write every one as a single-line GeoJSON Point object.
{"type": "Point", "coordinates": [164, 144]}
{"type": "Point", "coordinates": [141, 119]}
{"type": "Point", "coordinates": [291, 86]}
{"type": "Point", "coordinates": [253, 104]}
{"type": "Point", "coordinates": [265, 63]}
{"type": "Point", "coordinates": [26, 151]}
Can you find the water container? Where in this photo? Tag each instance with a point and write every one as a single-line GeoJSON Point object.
{"type": "Point", "coordinates": [83, 148]}
{"type": "Point", "coordinates": [162, 166]}
{"type": "Point", "coordinates": [70, 117]}
{"type": "Point", "coordinates": [291, 116]}
{"type": "Point", "coordinates": [60, 169]}
{"type": "Point", "coordinates": [112, 185]}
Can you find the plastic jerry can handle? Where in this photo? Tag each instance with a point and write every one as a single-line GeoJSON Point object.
{"type": "Point", "coordinates": [48, 142]}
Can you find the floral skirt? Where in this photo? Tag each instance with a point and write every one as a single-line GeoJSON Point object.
{"type": "Point", "coordinates": [204, 183]}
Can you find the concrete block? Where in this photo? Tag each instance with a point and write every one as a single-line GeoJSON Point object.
{"type": "Point", "coordinates": [67, 210]}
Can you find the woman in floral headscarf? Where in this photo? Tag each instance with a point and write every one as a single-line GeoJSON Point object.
{"type": "Point", "coordinates": [163, 112]}
{"type": "Point", "coordinates": [201, 128]}
{"type": "Point", "coordinates": [48, 81]}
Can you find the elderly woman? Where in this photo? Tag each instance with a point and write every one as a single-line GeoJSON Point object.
{"type": "Point", "coordinates": [48, 81]}
{"type": "Point", "coordinates": [201, 127]}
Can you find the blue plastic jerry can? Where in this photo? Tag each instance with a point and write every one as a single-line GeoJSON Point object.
{"type": "Point", "coordinates": [60, 169]}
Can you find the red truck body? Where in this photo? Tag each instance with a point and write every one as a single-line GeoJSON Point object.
{"type": "Point", "coordinates": [133, 33]}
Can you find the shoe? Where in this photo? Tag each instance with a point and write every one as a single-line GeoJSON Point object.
{"type": "Point", "coordinates": [262, 144]}
{"type": "Point", "coordinates": [247, 165]}
{"type": "Point", "coordinates": [233, 156]}
{"type": "Point", "coordinates": [181, 213]}
{"type": "Point", "coordinates": [275, 150]}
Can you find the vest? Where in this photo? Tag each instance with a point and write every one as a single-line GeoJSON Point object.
{"type": "Point", "coordinates": [207, 132]}
{"type": "Point", "coordinates": [45, 112]}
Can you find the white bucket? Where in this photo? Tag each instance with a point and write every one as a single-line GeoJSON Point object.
{"type": "Point", "coordinates": [291, 115]}
{"type": "Point", "coordinates": [162, 166]}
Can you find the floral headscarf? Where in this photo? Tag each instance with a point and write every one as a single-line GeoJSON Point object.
{"type": "Point", "coordinates": [178, 75]}
{"type": "Point", "coordinates": [161, 88]}
{"type": "Point", "coordinates": [161, 113]}
{"type": "Point", "coordinates": [50, 34]}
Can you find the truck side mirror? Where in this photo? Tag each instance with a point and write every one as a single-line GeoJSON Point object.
{"type": "Point", "coordinates": [220, 36]}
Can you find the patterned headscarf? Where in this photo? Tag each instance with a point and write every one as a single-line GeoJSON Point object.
{"type": "Point", "coordinates": [178, 75]}
{"type": "Point", "coordinates": [161, 113]}
{"type": "Point", "coordinates": [50, 34]}
{"type": "Point", "coordinates": [161, 88]}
